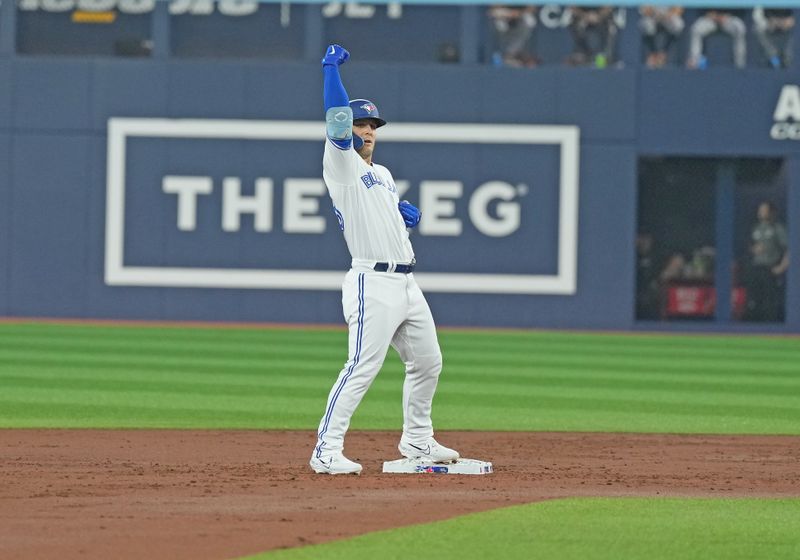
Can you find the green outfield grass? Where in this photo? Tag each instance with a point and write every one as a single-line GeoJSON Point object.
{"type": "Point", "coordinates": [583, 528]}
{"type": "Point", "coordinates": [138, 377]}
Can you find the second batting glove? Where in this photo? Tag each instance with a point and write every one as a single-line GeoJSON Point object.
{"type": "Point", "coordinates": [411, 214]}
{"type": "Point", "coordinates": [335, 55]}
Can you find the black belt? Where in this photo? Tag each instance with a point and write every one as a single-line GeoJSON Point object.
{"type": "Point", "coordinates": [400, 268]}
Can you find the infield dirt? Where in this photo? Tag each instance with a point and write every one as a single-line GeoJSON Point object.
{"type": "Point", "coordinates": [170, 494]}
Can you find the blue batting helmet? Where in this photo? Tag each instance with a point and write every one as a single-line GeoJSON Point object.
{"type": "Point", "coordinates": [366, 109]}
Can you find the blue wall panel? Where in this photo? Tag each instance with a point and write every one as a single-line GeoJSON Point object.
{"type": "Point", "coordinates": [280, 92]}
{"type": "Point", "coordinates": [5, 221]}
{"type": "Point", "coordinates": [425, 92]}
{"type": "Point", "coordinates": [128, 88]}
{"type": "Point", "coordinates": [720, 112]}
{"type": "Point", "coordinates": [107, 301]}
{"type": "Point", "coordinates": [511, 96]}
{"type": "Point", "coordinates": [211, 90]}
{"type": "Point", "coordinates": [606, 283]}
{"type": "Point", "coordinates": [6, 84]}
{"type": "Point", "coordinates": [49, 264]}
{"type": "Point", "coordinates": [603, 103]}
{"type": "Point", "coordinates": [52, 94]}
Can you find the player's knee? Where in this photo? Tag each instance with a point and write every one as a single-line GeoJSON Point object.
{"type": "Point", "coordinates": [431, 365]}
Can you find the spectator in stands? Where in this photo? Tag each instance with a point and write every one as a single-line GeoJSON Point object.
{"type": "Point", "coordinates": [701, 267]}
{"type": "Point", "coordinates": [513, 27]}
{"type": "Point", "coordinates": [647, 289]}
{"type": "Point", "coordinates": [674, 270]}
{"type": "Point", "coordinates": [660, 27]}
{"type": "Point", "coordinates": [594, 32]}
{"type": "Point", "coordinates": [718, 20]}
{"type": "Point", "coordinates": [765, 280]}
{"type": "Point", "coordinates": [774, 29]}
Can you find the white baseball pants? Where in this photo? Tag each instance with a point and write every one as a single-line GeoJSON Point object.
{"type": "Point", "coordinates": [383, 308]}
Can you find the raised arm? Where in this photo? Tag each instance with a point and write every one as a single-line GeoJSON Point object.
{"type": "Point", "coordinates": [338, 114]}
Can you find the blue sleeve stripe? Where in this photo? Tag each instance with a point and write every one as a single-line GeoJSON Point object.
{"type": "Point", "coordinates": [343, 145]}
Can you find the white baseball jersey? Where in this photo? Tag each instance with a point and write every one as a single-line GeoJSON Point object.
{"type": "Point", "coordinates": [365, 200]}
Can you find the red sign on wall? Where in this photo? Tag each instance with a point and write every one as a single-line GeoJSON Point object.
{"type": "Point", "coordinates": [698, 300]}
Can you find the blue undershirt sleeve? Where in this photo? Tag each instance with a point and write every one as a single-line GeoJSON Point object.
{"type": "Point", "coordinates": [333, 91]}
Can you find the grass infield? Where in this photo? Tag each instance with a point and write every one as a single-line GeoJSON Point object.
{"type": "Point", "coordinates": [581, 528]}
{"type": "Point", "coordinates": [84, 376]}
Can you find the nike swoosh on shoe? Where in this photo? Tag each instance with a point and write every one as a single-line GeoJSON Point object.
{"type": "Point", "coordinates": [426, 450]}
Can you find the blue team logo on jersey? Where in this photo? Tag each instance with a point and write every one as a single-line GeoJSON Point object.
{"type": "Point", "coordinates": [371, 179]}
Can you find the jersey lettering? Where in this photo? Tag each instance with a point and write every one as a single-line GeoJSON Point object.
{"type": "Point", "coordinates": [371, 179]}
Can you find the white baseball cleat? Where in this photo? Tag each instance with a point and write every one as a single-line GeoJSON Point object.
{"type": "Point", "coordinates": [334, 463]}
{"type": "Point", "coordinates": [430, 450]}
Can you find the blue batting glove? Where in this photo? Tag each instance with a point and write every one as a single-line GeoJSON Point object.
{"type": "Point", "coordinates": [411, 214]}
{"type": "Point", "coordinates": [335, 55]}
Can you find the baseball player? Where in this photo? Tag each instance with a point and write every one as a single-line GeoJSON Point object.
{"type": "Point", "coordinates": [381, 301]}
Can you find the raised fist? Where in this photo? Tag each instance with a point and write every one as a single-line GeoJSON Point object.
{"type": "Point", "coordinates": [335, 55]}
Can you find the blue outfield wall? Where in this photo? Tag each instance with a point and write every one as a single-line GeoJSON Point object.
{"type": "Point", "coordinates": [490, 207]}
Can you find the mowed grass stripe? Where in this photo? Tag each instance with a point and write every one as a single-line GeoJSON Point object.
{"type": "Point", "coordinates": [489, 363]}
{"type": "Point", "coordinates": [245, 403]}
{"type": "Point", "coordinates": [144, 358]}
{"type": "Point", "coordinates": [651, 341]}
{"type": "Point", "coordinates": [578, 376]}
{"type": "Point", "coordinates": [601, 352]}
{"type": "Point", "coordinates": [472, 348]}
{"type": "Point", "coordinates": [200, 350]}
{"type": "Point", "coordinates": [169, 388]}
{"type": "Point", "coordinates": [458, 340]}
{"type": "Point", "coordinates": [27, 414]}
{"type": "Point", "coordinates": [629, 372]}
{"type": "Point", "coordinates": [272, 371]}
{"type": "Point", "coordinates": [723, 364]}
{"type": "Point", "coordinates": [290, 373]}
{"type": "Point", "coordinates": [73, 390]}
{"type": "Point", "coordinates": [632, 400]}
{"type": "Point", "coordinates": [125, 345]}
{"type": "Point", "coordinates": [157, 335]}
{"type": "Point", "coordinates": [567, 416]}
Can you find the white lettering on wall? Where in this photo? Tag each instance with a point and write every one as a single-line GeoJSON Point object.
{"type": "Point", "coordinates": [788, 105]}
{"type": "Point", "coordinates": [187, 189]}
{"type": "Point", "coordinates": [302, 214]}
{"type": "Point", "coordinates": [437, 204]}
{"type": "Point", "coordinates": [508, 212]}
{"type": "Point", "coordinates": [787, 114]}
{"type": "Point", "coordinates": [301, 206]}
{"type": "Point", "coordinates": [234, 204]}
